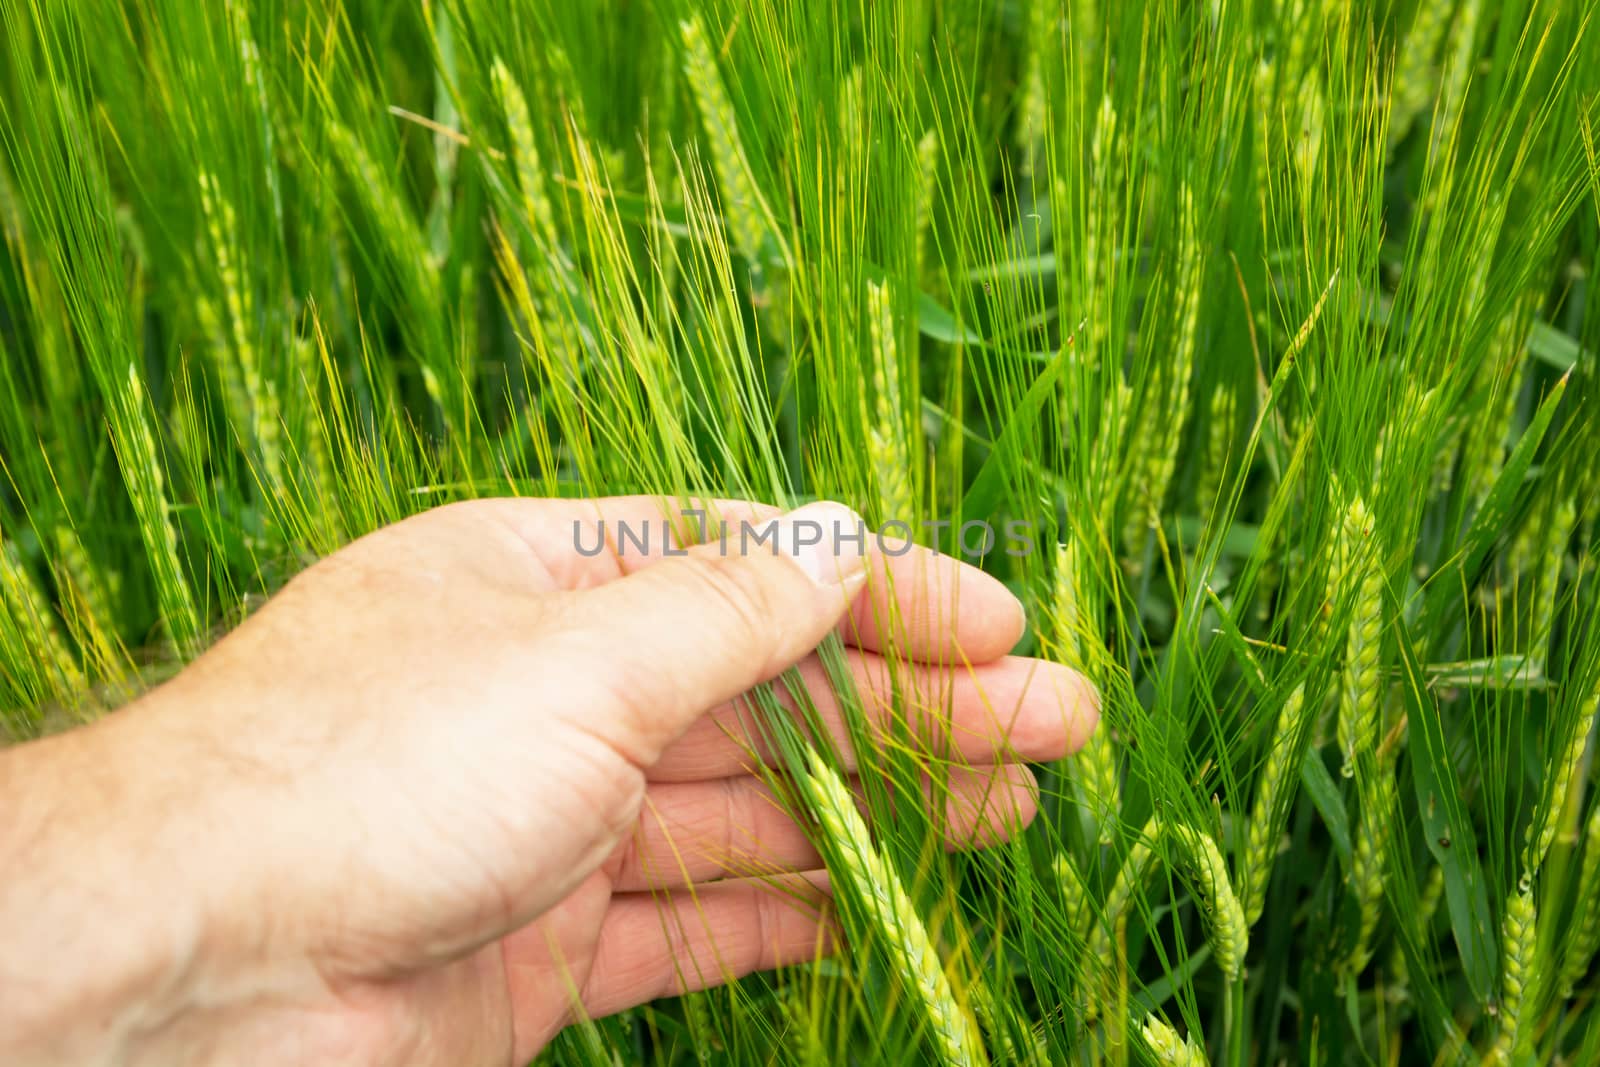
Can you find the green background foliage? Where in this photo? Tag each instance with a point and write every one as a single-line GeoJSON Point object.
{"type": "Point", "coordinates": [1272, 319]}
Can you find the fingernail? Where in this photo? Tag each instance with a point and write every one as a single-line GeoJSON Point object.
{"type": "Point", "coordinates": [826, 540]}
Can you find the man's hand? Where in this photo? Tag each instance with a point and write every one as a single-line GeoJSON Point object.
{"type": "Point", "coordinates": [460, 782]}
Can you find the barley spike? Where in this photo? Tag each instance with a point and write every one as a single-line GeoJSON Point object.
{"type": "Point", "coordinates": [1230, 934]}
{"type": "Point", "coordinates": [893, 914]}
{"type": "Point", "coordinates": [1261, 844]}
{"type": "Point", "coordinates": [749, 220]}
{"type": "Point", "coordinates": [1518, 973]}
{"type": "Point", "coordinates": [1557, 782]}
{"type": "Point", "coordinates": [1359, 695]}
{"type": "Point", "coordinates": [1367, 864]}
{"type": "Point", "coordinates": [1585, 939]}
{"type": "Point", "coordinates": [1170, 1050]}
{"type": "Point", "coordinates": [1113, 911]}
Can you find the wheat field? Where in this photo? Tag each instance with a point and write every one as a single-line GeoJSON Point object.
{"type": "Point", "coordinates": [1268, 324]}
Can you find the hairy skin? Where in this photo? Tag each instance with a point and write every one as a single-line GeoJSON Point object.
{"type": "Point", "coordinates": [457, 785]}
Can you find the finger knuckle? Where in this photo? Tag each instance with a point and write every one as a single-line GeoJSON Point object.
{"type": "Point", "coordinates": [744, 605]}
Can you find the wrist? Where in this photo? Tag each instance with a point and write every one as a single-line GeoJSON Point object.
{"type": "Point", "coordinates": [103, 931]}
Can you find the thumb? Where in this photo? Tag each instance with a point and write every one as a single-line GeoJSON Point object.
{"type": "Point", "coordinates": [697, 629]}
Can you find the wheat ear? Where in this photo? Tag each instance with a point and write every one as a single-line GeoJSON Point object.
{"type": "Point", "coordinates": [893, 915]}
{"type": "Point", "coordinates": [537, 208]}
{"type": "Point", "coordinates": [82, 579]}
{"type": "Point", "coordinates": [927, 183]}
{"type": "Point", "coordinates": [1160, 428]}
{"type": "Point", "coordinates": [1261, 841]}
{"type": "Point", "coordinates": [1074, 622]}
{"type": "Point", "coordinates": [1230, 934]}
{"type": "Point", "coordinates": [1518, 973]}
{"type": "Point", "coordinates": [1585, 939]}
{"type": "Point", "coordinates": [1367, 864]}
{"type": "Point", "coordinates": [147, 488]}
{"type": "Point", "coordinates": [1113, 911]}
{"type": "Point", "coordinates": [262, 416]}
{"type": "Point", "coordinates": [1170, 1050]}
{"type": "Point", "coordinates": [1552, 557]}
{"type": "Point", "coordinates": [1220, 411]}
{"type": "Point", "coordinates": [1427, 906]}
{"type": "Point", "coordinates": [749, 219]}
{"type": "Point", "coordinates": [33, 618]}
{"type": "Point", "coordinates": [1358, 697]}
{"type": "Point", "coordinates": [1542, 831]}
{"type": "Point", "coordinates": [1034, 109]}
{"type": "Point", "coordinates": [1104, 223]}
{"type": "Point", "coordinates": [1074, 894]}
{"type": "Point", "coordinates": [887, 446]}
{"type": "Point", "coordinates": [999, 1020]}
{"type": "Point", "coordinates": [1415, 80]}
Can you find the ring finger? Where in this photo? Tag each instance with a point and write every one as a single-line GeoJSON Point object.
{"type": "Point", "coordinates": [690, 833]}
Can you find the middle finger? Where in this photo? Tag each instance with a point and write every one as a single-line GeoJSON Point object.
{"type": "Point", "coordinates": [1012, 708]}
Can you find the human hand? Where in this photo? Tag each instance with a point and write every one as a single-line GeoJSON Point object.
{"type": "Point", "coordinates": [459, 782]}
